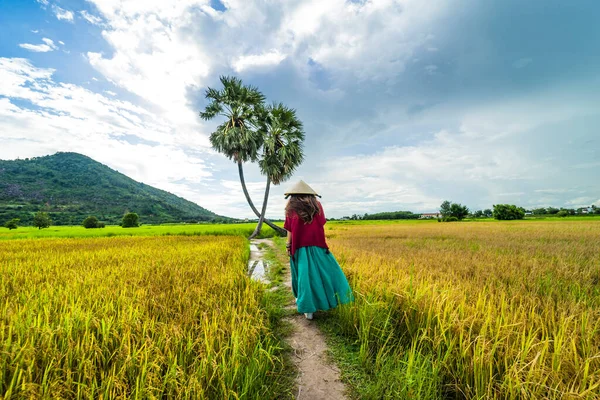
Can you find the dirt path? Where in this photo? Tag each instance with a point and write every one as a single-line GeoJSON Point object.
{"type": "Point", "coordinates": [317, 379]}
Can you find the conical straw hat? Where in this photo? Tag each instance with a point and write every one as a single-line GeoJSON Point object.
{"type": "Point", "coordinates": [300, 188]}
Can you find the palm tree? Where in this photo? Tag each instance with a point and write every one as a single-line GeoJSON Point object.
{"type": "Point", "coordinates": [283, 138]}
{"type": "Point", "coordinates": [238, 137]}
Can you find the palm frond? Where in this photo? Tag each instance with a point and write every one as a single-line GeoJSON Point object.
{"type": "Point", "coordinates": [237, 137]}
{"type": "Point", "coordinates": [283, 142]}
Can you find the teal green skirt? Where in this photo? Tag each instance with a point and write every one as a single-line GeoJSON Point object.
{"type": "Point", "coordinates": [318, 282]}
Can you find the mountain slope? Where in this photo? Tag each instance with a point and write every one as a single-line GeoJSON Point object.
{"type": "Point", "coordinates": [71, 186]}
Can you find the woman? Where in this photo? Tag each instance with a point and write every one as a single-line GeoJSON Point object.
{"type": "Point", "coordinates": [318, 282]}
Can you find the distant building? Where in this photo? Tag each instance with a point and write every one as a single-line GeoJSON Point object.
{"type": "Point", "coordinates": [430, 215]}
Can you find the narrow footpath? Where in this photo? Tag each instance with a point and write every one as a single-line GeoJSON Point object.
{"type": "Point", "coordinates": [318, 378]}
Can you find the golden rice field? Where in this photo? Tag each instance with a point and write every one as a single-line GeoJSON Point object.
{"type": "Point", "coordinates": [133, 317]}
{"type": "Point", "coordinates": [474, 310]}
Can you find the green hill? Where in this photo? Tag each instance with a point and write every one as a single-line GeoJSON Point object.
{"type": "Point", "coordinates": [70, 186]}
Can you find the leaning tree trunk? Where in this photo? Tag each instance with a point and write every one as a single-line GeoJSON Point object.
{"type": "Point", "coordinates": [263, 211]}
{"type": "Point", "coordinates": [277, 229]}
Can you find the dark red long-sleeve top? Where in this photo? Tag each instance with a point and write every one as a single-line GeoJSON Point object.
{"type": "Point", "coordinates": [306, 234]}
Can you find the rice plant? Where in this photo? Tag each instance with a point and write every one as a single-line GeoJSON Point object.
{"type": "Point", "coordinates": [133, 317]}
{"type": "Point", "coordinates": [495, 310]}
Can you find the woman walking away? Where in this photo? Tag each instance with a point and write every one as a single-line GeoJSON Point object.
{"type": "Point", "coordinates": [318, 282]}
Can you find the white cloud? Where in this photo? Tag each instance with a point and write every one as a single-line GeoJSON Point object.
{"type": "Point", "coordinates": [61, 42]}
{"type": "Point", "coordinates": [154, 57]}
{"type": "Point", "coordinates": [110, 93]}
{"type": "Point", "coordinates": [40, 48]}
{"type": "Point", "coordinates": [349, 37]}
{"type": "Point", "coordinates": [164, 50]}
{"type": "Point", "coordinates": [268, 59]}
{"type": "Point", "coordinates": [43, 2]}
{"type": "Point", "coordinates": [92, 19]}
{"type": "Point", "coordinates": [49, 42]}
{"type": "Point", "coordinates": [63, 14]}
{"type": "Point", "coordinates": [502, 152]}
{"type": "Point", "coordinates": [35, 31]}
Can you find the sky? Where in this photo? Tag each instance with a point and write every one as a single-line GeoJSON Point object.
{"type": "Point", "coordinates": [405, 103]}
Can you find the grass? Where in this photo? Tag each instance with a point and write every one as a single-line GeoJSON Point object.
{"type": "Point", "coordinates": [137, 317]}
{"type": "Point", "coordinates": [469, 310]}
{"type": "Point", "coordinates": [145, 230]}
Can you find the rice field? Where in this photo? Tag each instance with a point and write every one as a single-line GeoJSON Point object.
{"type": "Point", "coordinates": [134, 317]}
{"type": "Point", "coordinates": [29, 232]}
{"type": "Point", "coordinates": [474, 310]}
{"type": "Point", "coordinates": [481, 310]}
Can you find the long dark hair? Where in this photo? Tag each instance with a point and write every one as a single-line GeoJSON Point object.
{"type": "Point", "coordinates": [305, 205]}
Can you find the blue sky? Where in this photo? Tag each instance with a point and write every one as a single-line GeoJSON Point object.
{"type": "Point", "coordinates": [405, 103]}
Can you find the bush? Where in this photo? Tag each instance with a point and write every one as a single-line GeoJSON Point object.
{"type": "Point", "coordinates": [101, 225]}
{"type": "Point", "coordinates": [41, 220]}
{"type": "Point", "coordinates": [562, 213]}
{"type": "Point", "coordinates": [91, 222]}
{"type": "Point", "coordinates": [508, 212]}
{"type": "Point", "coordinates": [450, 219]}
{"type": "Point", "coordinates": [130, 220]}
{"type": "Point", "coordinates": [12, 224]}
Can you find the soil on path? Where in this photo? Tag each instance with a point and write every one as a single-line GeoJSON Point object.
{"type": "Point", "coordinates": [318, 378]}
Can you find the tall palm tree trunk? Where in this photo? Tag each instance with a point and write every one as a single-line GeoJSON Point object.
{"type": "Point", "coordinates": [261, 219]}
{"type": "Point", "coordinates": [277, 229]}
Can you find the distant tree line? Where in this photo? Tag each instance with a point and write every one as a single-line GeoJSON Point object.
{"type": "Point", "coordinates": [593, 209]}
{"type": "Point", "coordinates": [391, 215]}
{"type": "Point", "coordinates": [487, 213]}
{"type": "Point", "coordinates": [541, 212]}
{"type": "Point", "coordinates": [450, 212]}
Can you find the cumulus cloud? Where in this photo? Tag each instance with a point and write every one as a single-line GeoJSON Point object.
{"type": "Point", "coordinates": [496, 149]}
{"type": "Point", "coordinates": [153, 57]}
{"type": "Point", "coordinates": [162, 50]}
